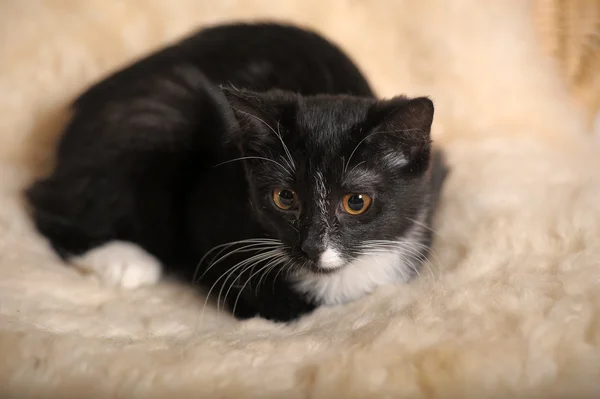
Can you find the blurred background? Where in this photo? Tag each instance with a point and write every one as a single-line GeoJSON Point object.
{"type": "Point", "coordinates": [522, 65]}
{"type": "Point", "coordinates": [569, 32]}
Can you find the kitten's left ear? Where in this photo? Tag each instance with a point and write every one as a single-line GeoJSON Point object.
{"type": "Point", "coordinates": [257, 116]}
{"type": "Point", "coordinates": [402, 132]}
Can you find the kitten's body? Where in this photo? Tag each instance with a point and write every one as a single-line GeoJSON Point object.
{"type": "Point", "coordinates": [137, 164]}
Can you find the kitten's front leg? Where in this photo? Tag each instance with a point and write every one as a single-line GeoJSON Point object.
{"type": "Point", "coordinates": [119, 263]}
{"type": "Point", "coordinates": [274, 300]}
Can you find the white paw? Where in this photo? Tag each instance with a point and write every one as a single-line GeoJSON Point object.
{"type": "Point", "coordinates": [121, 264]}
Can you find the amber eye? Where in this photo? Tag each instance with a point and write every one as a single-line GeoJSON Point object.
{"type": "Point", "coordinates": [355, 204]}
{"type": "Point", "coordinates": [285, 198]}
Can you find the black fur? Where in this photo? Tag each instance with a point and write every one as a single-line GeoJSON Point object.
{"type": "Point", "coordinates": [138, 160]}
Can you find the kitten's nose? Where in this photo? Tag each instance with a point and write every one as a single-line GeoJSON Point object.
{"type": "Point", "coordinates": [312, 249]}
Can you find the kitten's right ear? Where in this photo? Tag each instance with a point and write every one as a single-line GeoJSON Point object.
{"type": "Point", "coordinates": [402, 133]}
{"type": "Point", "coordinates": [257, 117]}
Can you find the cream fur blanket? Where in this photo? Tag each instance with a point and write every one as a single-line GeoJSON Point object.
{"type": "Point", "coordinates": [509, 307]}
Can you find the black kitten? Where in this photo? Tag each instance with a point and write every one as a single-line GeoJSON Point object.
{"type": "Point", "coordinates": [312, 194]}
{"type": "Point", "coordinates": [343, 184]}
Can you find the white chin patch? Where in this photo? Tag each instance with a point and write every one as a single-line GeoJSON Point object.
{"type": "Point", "coordinates": [350, 281]}
{"type": "Point", "coordinates": [331, 259]}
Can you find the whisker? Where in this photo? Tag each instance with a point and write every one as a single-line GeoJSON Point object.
{"type": "Point", "coordinates": [277, 133]}
{"type": "Point", "coordinates": [227, 274]}
{"type": "Point", "coordinates": [423, 259]}
{"type": "Point", "coordinates": [255, 157]}
{"type": "Point", "coordinates": [250, 262]}
{"type": "Point", "coordinates": [298, 266]}
{"type": "Point", "coordinates": [285, 148]}
{"type": "Point", "coordinates": [370, 135]}
{"type": "Point", "coordinates": [353, 151]}
{"type": "Point", "coordinates": [413, 267]}
{"type": "Point", "coordinates": [423, 225]}
{"type": "Point", "coordinates": [245, 248]}
{"type": "Point", "coordinates": [418, 251]}
{"type": "Point", "coordinates": [266, 273]}
{"type": "Point", "coordinates": [283, 267]}
{"type": "Point", "coordinates": [270, 243]}
{"type": "Point", "coordinates": [284, 159]}
{"type": "Point", "coordinates": [252, 243]}
{"type": "Point", "coordinates": [244, 286]}
{"type": "Point", "coordinates": [247, 267]}
{"type": "Point", "coordinates": [427, 249]}
{"type": "Point", "coordinates": [356, 166]}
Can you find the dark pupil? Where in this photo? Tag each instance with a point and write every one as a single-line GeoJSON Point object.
{"type": "Point", "coordinates": [286, 197]}
{"type": "Point", "coordinates": [356, 202]}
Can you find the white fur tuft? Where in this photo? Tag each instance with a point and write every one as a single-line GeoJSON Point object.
{"type": "Point", "coordinates": [121, 264]}
{"type": "Point", "coordinates": [331, 259]}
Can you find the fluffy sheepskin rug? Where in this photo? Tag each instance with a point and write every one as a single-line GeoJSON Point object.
{"type": "Point", "coordinates": [508, 307]}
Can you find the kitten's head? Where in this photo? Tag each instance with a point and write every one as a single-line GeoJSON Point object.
{"type": "Point", "coordinates": [333, 176]}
